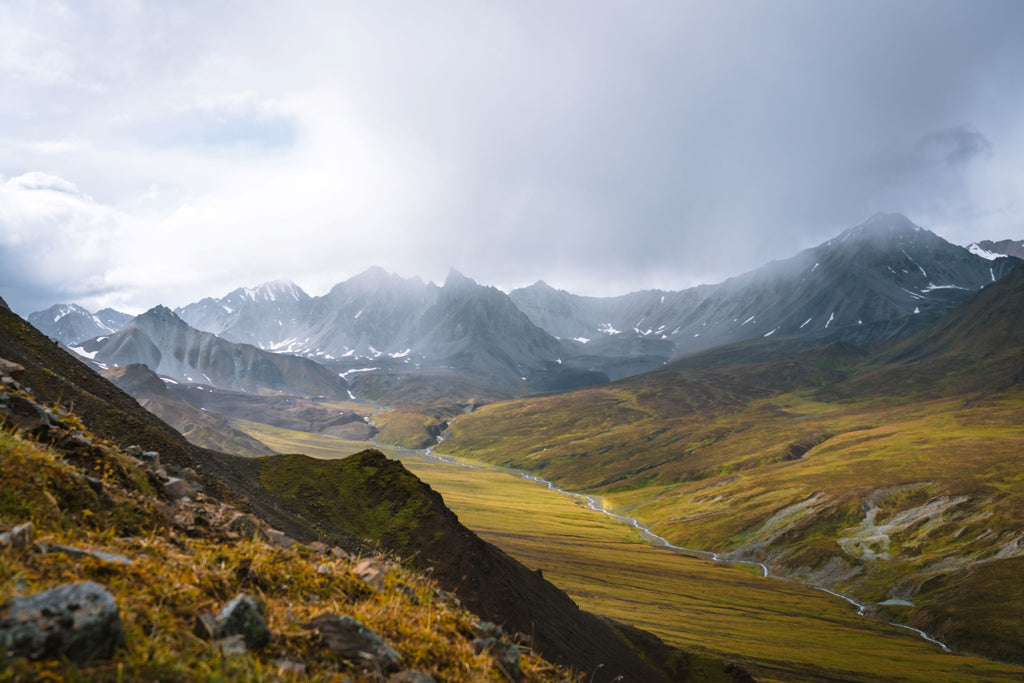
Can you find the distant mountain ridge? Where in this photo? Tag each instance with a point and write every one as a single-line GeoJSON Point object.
{"type": "Point", "coordinates": [884, 278]}
{"type": "Point", "coordinates": [70, 324]}
{"type": "Point", "coordinates": [170, 347]}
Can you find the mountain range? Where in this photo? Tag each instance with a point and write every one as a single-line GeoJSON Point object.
{"type": "Point", "coordinates": [882, 279]}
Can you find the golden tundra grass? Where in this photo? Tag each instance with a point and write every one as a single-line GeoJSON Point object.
{"type": "Point", "coordinates": [778, 629]}
{"type": "Point", "coordinates": [172, 579]}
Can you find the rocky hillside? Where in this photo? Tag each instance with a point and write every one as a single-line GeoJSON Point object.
{"type": "Point", "coordinates": [115, 566]}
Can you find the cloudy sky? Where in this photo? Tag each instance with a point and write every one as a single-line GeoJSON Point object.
{"type": "Point", "coordinates": [157, 152]}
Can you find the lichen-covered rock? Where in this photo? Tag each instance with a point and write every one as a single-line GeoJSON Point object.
{"type": "Point", "coordinates": [372, 571]}
{"type": "Point", "coordinates": [79, 621]}
{"type": "Point", "coordinates": [505, 655]}
{"type": "Point", "coordinates": [243, 616]}
{"type": "Point", "coordinates": [356, 643]}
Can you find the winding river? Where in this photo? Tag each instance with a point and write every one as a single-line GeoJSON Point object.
{"type": "Point", "coordinates": [661, 541]}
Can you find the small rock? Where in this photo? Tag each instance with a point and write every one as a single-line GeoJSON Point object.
{"type": "Point", "coordinates": [71, 550]}
{"type": "Point", "coordinates": [353, 641]}
{"type": "Point", "coordinates": [340, 553]}
{"type": "Point", "coordinates": [506, 655]}
{"type": "Point", "coordinates": [487, 629]}
{"type": "Point", "coordinates": [26, 415]}
{"type": "Point", "coordinates": [150, 459]}
{"type": "Point", "coordinates": [176, 489]}
{"type": "Point", "coordinates": [11, 369]}
{"type": "Point", "coordinates": [78, 621]}
{"type": "Point", "coordinates": [22, 535]}
{"type": "Point", "coordinates": [319, 547]}
{"type": "Point", "coordinates": [372, 571]}
{"type": "Point", "coordinates": [324, 569]}
{"type": "Point", "coordinates": [279, 538]}
{"type": "Point", "coordinates": [244, 616]}
{"type": "Point", "coordinates": [245, 525]}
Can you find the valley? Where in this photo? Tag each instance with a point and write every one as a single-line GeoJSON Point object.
{"type": "Point", "coordinates": [779, 630]}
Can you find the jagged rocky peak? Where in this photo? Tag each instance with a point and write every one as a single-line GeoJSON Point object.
{"type": "Point", "coordinates": [161, 314]}
{"type": "Point", "coordinates": [276, 290]}
{"type": "Point", "coordinates": [456, 280]}
{"type": "Point", "coordinates": [882, 228]}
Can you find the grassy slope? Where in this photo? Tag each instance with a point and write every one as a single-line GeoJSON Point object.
{"type": "Point", "coordinates": [778, 630]}
{"type": "Point", "coordinates": [172, 579]}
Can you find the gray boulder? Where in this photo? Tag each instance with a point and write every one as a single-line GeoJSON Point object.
{"type": "Point", "coordinates": [243, 616]}
{"type": "Point", "coordinates": [356, 643]}
{"type": "Point", "coordinates": [79, 621]}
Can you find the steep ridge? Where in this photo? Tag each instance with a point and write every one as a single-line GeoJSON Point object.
{"type": "Point", "coordinates": [886, 473]}
{"type": "Point", "coordinates": [165, 343]}
{"type": "Point", "coordinates": [303, 496]}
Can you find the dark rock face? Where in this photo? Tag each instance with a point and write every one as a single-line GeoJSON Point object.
{"type": "Point", "coordinates": [78, 621]}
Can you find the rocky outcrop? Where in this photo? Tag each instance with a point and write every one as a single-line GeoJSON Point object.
{"type": "Point", "coordinates": [78, 621]}
{"type": "Point", "coordinates": [356, 643]}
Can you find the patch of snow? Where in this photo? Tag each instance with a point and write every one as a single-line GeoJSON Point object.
{"type": "Point", "coordinates": [983, 253]}
{"type": "Point", "coordinates": [207, 378]}
{"type": "Point", "coordinates": [662, 298]}
{"type": "Point", "coordinates": [815, 267]}
{"type": "Point", "coordinates": [913, 294]}
{"type": "Point", "coordinates": [374, 351]}
{"type": "Point", "coordinates": [348, 353]}
{"type": "Point", "coordinates": [83, 353]}
{"type": "Point", "coordinates": [344, 375]}
{"type": "Point", "coordinates": [675, 331]}
{"type": "Point", "coordinates": [351, 395]}
{"type": "Point", "coordinates": [356, 316]}
{"type": "Point", "coordinates": [916, 310]}
{"type": "Point", "coordinates": [805, 323]}
{"type": "Point", "coordinates": [608, 329]}
{"type": "Point", "coordinates": [400, 354]}
{"type": "Point", "coordinates": [558, 360]}
{"type": "Point", "coordinates": [581, 340]}
{"type": "Point", "coordinates": [747, 320]}
{"type": "Point", "coordinates": [168, 380]}
{"type": "Point", "coordinates": [227, 308]}
{"type": "Point", "coordinates": [992, 273]}
{"type": "Point", "coordinates": [771, 333]}
{"type": "Point", "coordinates": [831, 317]}
{"type": "Point", "coordinates": [932, 286]}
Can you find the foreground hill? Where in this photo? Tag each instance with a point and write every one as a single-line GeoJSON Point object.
{"type": "Point", "coordinates": [365, 499]}
{"type": "Point", "coordinates": [889, 473]}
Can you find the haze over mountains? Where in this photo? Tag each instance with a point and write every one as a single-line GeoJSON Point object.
{"type": "Point", "coordinates": [884, 278]}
